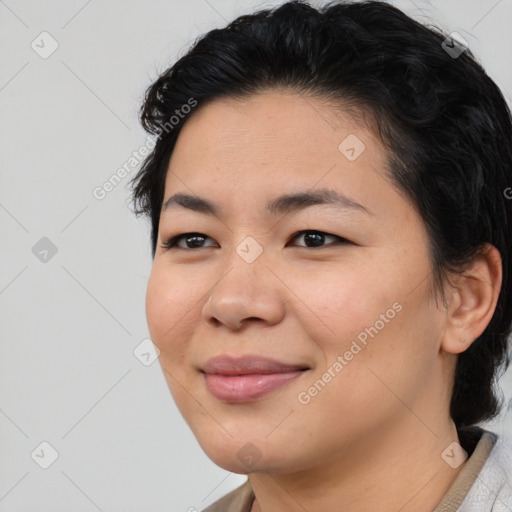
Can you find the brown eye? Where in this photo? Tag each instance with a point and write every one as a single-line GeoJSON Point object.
{"type": "Point", "coordinates": [313, 238]}
{"type": "Point", "coordinates": [192, 241]}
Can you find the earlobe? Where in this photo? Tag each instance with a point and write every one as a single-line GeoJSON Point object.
{"type": "Point", "coordinates": [473, 300]}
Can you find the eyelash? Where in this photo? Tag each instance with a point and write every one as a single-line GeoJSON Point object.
{"type": "Point", "coordinates": [171, 243]}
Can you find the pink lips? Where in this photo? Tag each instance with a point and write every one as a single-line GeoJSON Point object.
{"type": "Point", "coordinates": [247, 378]}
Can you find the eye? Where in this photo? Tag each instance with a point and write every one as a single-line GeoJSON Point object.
{"type": "Point", "coordinates": [194, 239]}
{"type": "Point", "coordinates": [317, 238]}
{"type": "Point", "coordinates": [312, 238]}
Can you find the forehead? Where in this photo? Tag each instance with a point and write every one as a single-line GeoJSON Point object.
{"type": "Point", "coordinates": [273, 139]}
{"type": "Point", "coordinates": [269, 119]}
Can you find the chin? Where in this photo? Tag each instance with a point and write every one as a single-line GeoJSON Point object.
{"type": "Point", "coordinates": [234, 458]}
{"type": "Point", "coordinates": [243, 456]}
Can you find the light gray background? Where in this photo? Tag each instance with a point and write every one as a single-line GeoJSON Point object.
{"type": "Point", "coordinates": [70, 325]}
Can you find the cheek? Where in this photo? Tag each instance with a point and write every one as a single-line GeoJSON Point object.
{"type": "Point", "coordinates": [170, 301]}
{"type": "Point", "coordinates": [338, 304]}
{"type": "Point", "coordinates": [367, 308]}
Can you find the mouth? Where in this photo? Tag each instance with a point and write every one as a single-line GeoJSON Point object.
{"type": "Point", "coordinates": [247, 378]}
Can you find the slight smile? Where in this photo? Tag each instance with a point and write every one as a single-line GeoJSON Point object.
{"type": "Point", "coordinates": [247, 378]}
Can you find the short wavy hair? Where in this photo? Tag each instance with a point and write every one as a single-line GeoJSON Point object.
{"type": "Point", "coordinates": [444, 122]}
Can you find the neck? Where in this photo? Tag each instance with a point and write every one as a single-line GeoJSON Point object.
{"type": "Point", "coordinates": [400, 469]}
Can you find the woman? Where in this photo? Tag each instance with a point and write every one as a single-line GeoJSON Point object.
{"type": "Point", "coordinates": [331, 234]}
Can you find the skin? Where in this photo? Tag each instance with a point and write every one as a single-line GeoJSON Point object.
{"type": "Point", "coordinates": [372, 438]}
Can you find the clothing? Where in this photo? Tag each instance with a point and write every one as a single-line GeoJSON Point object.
{"type": "Point", "coordinates": [484, 484]}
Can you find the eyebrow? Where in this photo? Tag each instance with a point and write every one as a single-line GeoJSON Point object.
{"type": "Point", "coordinates": [281, 205]}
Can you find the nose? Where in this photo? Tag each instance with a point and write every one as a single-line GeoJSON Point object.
{"type": "Point", "coordinates": [247, 293]}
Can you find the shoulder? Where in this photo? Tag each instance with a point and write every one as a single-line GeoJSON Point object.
{"type": "Point", "coordinates": [238, 500]}
{"type": "Point", "coordinates": [492, 489]}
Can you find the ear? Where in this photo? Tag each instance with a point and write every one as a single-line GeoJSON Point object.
{"type": "Point", "coordinates": [472, 300]}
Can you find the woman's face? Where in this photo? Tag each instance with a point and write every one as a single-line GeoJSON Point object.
{"type": "Point", "coordinates": [346, 305]}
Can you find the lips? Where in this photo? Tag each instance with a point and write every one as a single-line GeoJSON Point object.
{"type": "Point", "coordinates": [247, 378]}
{"type": "Point", "coordinates": [246, 365]}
